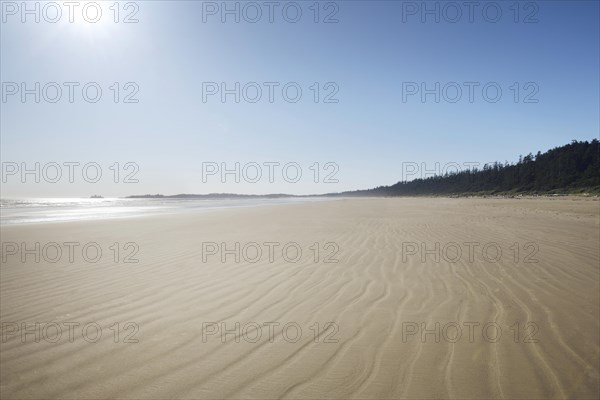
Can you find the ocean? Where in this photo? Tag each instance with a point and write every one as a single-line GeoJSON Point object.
{"type": "Point", "coordinates": [44, 210]}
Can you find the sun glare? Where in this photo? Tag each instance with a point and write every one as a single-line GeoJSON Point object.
{"type": "Point", "coordinates": [87, 18]}
{"type": "Point", "coordinates": [92, 19]}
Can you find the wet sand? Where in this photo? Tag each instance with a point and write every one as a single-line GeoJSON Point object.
{"type": "Point", "coordinates": [352, 298]}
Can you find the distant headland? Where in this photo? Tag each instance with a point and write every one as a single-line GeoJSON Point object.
{"type": "Point", "coordinates": [570, 169]}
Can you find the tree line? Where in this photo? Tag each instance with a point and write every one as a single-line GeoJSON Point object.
{"type": "Point", "coordinates": [573, 168]}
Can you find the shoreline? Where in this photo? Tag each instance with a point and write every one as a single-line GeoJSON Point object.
{"type": "Point", "coordinates": [359, 297]}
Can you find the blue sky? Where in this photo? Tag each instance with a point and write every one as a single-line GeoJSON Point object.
{"type": "Point", "coordinates": [369, 133]}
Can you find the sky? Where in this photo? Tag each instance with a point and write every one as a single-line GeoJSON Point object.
{"type": "Point", "coordinates": [390, 91]}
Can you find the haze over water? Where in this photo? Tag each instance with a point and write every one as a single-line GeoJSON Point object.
{"type": "Point", "coordinates": [43, 210]}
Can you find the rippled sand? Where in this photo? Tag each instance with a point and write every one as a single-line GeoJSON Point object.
{"type": "Point", "coordinates": [528, 316]}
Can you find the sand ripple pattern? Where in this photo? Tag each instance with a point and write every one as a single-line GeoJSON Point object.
{"type": "Point", "coordinates": [370, 295]}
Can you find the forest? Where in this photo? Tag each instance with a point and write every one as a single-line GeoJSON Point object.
{"type": "Point", "coordinates": [573, 168]}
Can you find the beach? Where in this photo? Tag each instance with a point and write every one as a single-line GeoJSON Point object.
{"type": "Point", "coordinates": [386, 298]}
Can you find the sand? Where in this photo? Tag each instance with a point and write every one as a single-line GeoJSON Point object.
{"type": "Point", "coordinates": [380, 323]}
